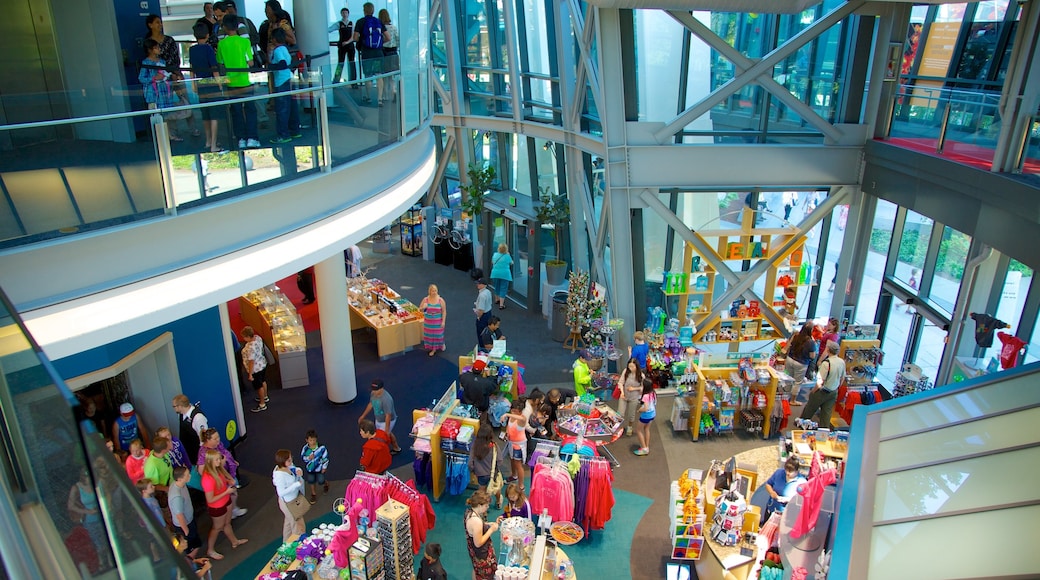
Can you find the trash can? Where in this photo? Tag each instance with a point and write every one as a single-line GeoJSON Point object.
{"type": "Point", "coordinates": [558, 317]}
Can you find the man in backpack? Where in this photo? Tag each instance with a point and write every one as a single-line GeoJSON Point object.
{"type": "Point", "coordinates": [369, 35]}
{"type": "Point", "coordinates": [192, 423]}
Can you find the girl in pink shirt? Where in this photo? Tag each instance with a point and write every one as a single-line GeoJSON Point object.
{"type": "Point", "coordinates": [517, 434]}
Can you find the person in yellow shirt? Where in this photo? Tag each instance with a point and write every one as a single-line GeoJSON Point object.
{"type": "Point", "coordinates": [582, 374]}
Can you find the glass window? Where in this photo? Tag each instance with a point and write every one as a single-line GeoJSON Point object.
{"type": "Point", "coordinates": [917, 231]}
{"type": "Point", "coordinates": [537, 36]}
{"type": "Point", "coordinates": [831, 288]}
{"type": "Point", "coordinates": [659, 41]}
{"type": "Point", "coordinates": [655, 237]}
{"type": "Point", "coordinates": [877, 254]}
{"type": "Point", "coordinates": [1033, 353]}
{"type": "Point", "coordinates": [949, 267]}
{"type": "Point", "coordinates": [897, 335]}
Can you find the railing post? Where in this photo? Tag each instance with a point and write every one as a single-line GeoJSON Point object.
{"type": "Point", "coordinates": [942, 129]}
{"type": "Point", "coordinates": [161, 137]}
{"type": "Point", "coordinates": [323, 124]}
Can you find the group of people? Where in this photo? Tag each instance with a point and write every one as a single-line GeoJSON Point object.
{"type": "Point", "coordinates": [376, 39]}
{"type": "Point", "coordinates": [812, 354]}
{"type": "Point", "coordinates": [227, 48]}
{"type": "Point", "coordinates": [163, 468]}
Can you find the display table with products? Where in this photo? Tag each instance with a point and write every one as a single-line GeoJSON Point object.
{"type": "Point", "coordinates": [274, 318]}
{"type": "Point", "coordinates": [397, 322]}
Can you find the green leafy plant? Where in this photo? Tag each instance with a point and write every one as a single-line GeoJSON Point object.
{"type": "Point", "coordinates": [482, 179]}
{"type": "Point", "coordinates": [555, 210]}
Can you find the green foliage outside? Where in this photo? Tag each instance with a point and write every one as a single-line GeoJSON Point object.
{"type": "Point", "coordinates": [953, 250]}
{"type": "Point", "coordinates": [261, 158]}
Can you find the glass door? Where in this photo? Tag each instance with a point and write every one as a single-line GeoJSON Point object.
{"type": "Point", "coordinates": [521, 261]}
{"type": "Point", "coordinates": [899, 329]}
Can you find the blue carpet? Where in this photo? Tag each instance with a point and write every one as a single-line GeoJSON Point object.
{"type": "Point", "coordinates": [413, 379]}
{"type": "Point", "coordinates": [604, 555]}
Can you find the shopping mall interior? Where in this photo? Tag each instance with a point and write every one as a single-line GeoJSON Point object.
{"type": "Point", "coordinates": [712, 174]}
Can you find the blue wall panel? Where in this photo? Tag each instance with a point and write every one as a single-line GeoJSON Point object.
{"type": "Point", "coordinates": [201, 362]}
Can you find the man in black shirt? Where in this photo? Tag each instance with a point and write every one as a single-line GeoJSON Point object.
{"type": "Point", "coordinates": [478, 386]}
{"type": "Point", "coordinates": [491, 333]}
{"type": "Point", "coordinates": [346, 47]}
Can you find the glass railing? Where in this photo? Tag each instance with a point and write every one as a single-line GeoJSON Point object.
{"type": "Point", "coordinates": [958, 124]}
{"type": "Point", "coordinates": [72, 511]}
{"type": "Point", "coordinates": [200, 142]}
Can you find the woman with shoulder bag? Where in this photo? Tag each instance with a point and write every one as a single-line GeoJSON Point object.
{"type": "Point", "coordinates": [288, 481]}
{"type": "Point", "coordinates": [483, 461]}
{"type": "Point", "coordinates": [628, 390]}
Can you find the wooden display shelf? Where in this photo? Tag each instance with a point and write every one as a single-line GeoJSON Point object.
{"type": "Point", "coordinates": [697, 405]}
{"type": "Point", "coordinates": [436, 453]}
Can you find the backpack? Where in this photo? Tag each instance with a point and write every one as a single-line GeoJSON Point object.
{"type": "Point", "coordinates": [189, 437]}
{"type": "Point", "coordinates": [371, 32]}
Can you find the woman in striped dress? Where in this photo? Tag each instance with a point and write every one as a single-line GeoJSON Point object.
{"type": "Point", "coordinates": [434, 317]}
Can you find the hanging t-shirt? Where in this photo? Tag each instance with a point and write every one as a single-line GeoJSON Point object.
{"type": "Point", "coordinates": [984, 327]}
{"type": "Point", "coordinates": [1009, 353]}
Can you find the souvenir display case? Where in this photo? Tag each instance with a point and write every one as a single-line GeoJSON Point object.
{"type": "Point", "coordinates": [273, 317]}
{"type": "Point", "coordinates": [412, 232]}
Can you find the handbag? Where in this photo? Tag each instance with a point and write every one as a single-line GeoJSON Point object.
{"type": "Point", "coordinates": [298, 507]}
{"type": "Point", "coordinates": [494, 486]}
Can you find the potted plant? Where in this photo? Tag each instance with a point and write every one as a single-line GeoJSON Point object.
{"type": "Point", "coordinates": [481, 181]}
{"type": "Point", "coordinates": [554, 210]}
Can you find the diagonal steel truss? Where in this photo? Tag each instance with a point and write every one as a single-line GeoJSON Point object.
{"type": "Point", "coordinates": [760, 71]}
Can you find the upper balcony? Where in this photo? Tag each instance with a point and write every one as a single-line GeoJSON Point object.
{"type": "Point", "coordinates": [103, 234]}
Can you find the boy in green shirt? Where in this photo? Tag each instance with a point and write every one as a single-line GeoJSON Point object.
{"type": "Point", "coordinates": [236, 52]}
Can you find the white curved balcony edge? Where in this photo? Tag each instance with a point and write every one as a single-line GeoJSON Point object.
{"type": "Point", "coordinates": [92, 290]}
{"type": "Point", "coordinates": [753, 6]}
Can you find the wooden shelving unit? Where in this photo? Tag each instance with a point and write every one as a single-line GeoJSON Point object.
{"type": "Point", "coordinates": [736, 245]}
{"type": "Point", "coordinates": [697, 404]}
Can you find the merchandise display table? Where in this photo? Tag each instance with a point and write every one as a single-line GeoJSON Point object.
{"type": "Point", "coordinates": [725, 561]}
{"type": "Point", "coordinates": [397, 322]}
{"type": "Point", "coordinates": [294, 566]}
{"type": "Point", "coordinates": [603, 429]}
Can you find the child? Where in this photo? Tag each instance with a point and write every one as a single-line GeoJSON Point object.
{"type": "Point", "coordinates": [317, 461]}
{"type": "Point", "coordinates": [127, 427]}
{"type": "Point", "coordinates": [517, 436]}
{"type": "Point", "coordinates": [639, 349]}
{"type": "Point", "coordinates": [236, 52]}
{"type": "Point", "coordinates": [375, 453]}
{"type": "Point", "coordinates": [178, 454]}
{"type": "Point", "coordinates": [157, 90]}
{"type": "Point", "coordinates": [582, 374]}
{"type": "Point", "coordinates": [430, 568]}
{"type": "Point", "coordinates": [203, 58]}
{"type": "Point", "coordinates": [285, 110]}
{"type": "Point", "coordinates": [147, 490]}
{"type": "Point", "coordinates": [135, 461]}
{"type": "Point", "coordinates": [182, 512]}
{"type": "Point", "coordinates": [201, 566]}
{"type": "Point", "coordinates": [647, 414]}
{"type": "Point", "coordinates": [518, 506]}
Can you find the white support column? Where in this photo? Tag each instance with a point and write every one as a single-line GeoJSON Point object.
{"type": "Point", "coordinates": [311, 38]}
{"type": "Point", "coordinates": [330, 283]}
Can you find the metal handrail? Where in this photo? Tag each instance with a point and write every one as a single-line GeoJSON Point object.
{"type": "Point", "coordinates": [162, 110]}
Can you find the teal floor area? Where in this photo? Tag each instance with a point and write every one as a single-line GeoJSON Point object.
{"type": "Point", "coordinates": [600, 556]}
